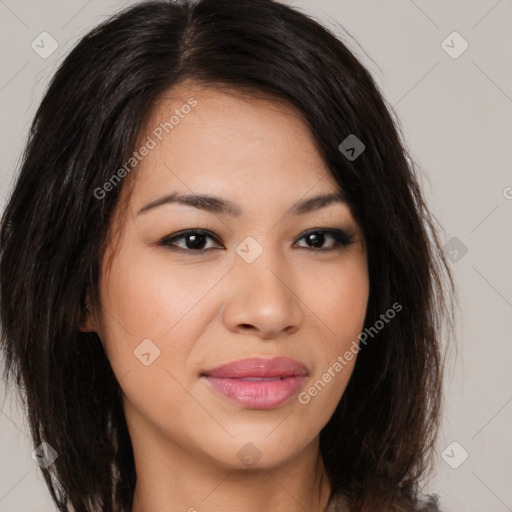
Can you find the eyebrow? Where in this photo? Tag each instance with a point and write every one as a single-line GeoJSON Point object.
{"type": "Point", "coordinates": [218, 205]}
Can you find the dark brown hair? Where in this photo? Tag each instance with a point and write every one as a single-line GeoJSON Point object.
{"type": "Point", "coordinates": [379, 441]}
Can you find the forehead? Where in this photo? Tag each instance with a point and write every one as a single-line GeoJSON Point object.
{"type": "Point", "coordinates": [250, 148]}
{"type": "Point", "coordinates": [229, 139]}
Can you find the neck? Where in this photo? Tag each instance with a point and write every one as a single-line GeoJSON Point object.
{"type": "Point", "coordinates": [175, 479]}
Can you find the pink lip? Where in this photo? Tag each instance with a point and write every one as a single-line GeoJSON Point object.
{"type": "Point", "coordinates": [277, 380]}
{"type": "Point", "coordinates": [258, 367]}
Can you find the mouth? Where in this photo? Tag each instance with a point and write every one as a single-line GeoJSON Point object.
{"type": "Point", "coordinates": [259, 368]}
{"type": "Point", "coordinates": [257, 383]}
{"type": "Point", "coordinates": [262, 378]}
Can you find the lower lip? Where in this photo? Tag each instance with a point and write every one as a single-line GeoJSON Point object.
{"type": "Point", "coordinates": [257, 394]}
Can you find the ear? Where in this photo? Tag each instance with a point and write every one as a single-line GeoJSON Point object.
{"type": "Point", "coordinates": [87, 323]}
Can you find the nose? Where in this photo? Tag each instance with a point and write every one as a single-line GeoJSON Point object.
{"type": "Point", "coordinates": [262, 299]}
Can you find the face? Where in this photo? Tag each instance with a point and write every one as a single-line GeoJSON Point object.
{"type": "Point", "coordinates": [192, 288]}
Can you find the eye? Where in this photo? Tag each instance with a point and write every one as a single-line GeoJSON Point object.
{"type": "Point", "coordinates": [340, 238]}
{"type": "Point", "coordinates": [195, 240]}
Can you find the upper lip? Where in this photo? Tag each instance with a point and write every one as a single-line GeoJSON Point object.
{"type": "Point", "coordinates": [259, 367]}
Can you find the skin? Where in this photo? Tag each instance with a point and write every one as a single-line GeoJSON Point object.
{"type": "Point", "coordinates": [206, 309]}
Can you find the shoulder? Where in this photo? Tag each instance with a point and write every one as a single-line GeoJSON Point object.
{"type": "Point", "coordinates": [339, 503]}
{"type": "Point", "coordinates": [428, 503]}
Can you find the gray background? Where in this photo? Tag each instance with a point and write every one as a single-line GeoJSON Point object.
{"type": "Point", "coordinates": [457, 117]}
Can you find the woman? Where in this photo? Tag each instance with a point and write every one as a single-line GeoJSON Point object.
{"type": "Point", "coordinates": [220, 285]}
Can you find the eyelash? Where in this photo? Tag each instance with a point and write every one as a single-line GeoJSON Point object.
{"type": "Point", "coordinates": [341, 239]}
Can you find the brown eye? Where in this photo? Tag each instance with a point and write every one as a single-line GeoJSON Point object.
{"type": "Point", "coordinates": [194, 240]}
{"type": "Point", "coordinates": [316, 239]}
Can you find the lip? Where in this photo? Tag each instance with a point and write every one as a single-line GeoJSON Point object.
{"type": "Point", "coordinates": [258, 383]}
{"type": "Point", "coordinates": [259, 367]}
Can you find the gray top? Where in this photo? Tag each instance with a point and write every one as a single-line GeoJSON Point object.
{"type": "Point", "coordinates": [339, 503]}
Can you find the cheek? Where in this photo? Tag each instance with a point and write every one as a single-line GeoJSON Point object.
{"type": "Point", "coordinates": [339, 298]}
{"type": "Point", "coordinates": [146, 298]}
{"type": "Point", "coordinates": [146, 335]}
{"type": "Point", "coordinates": [149, 298]}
